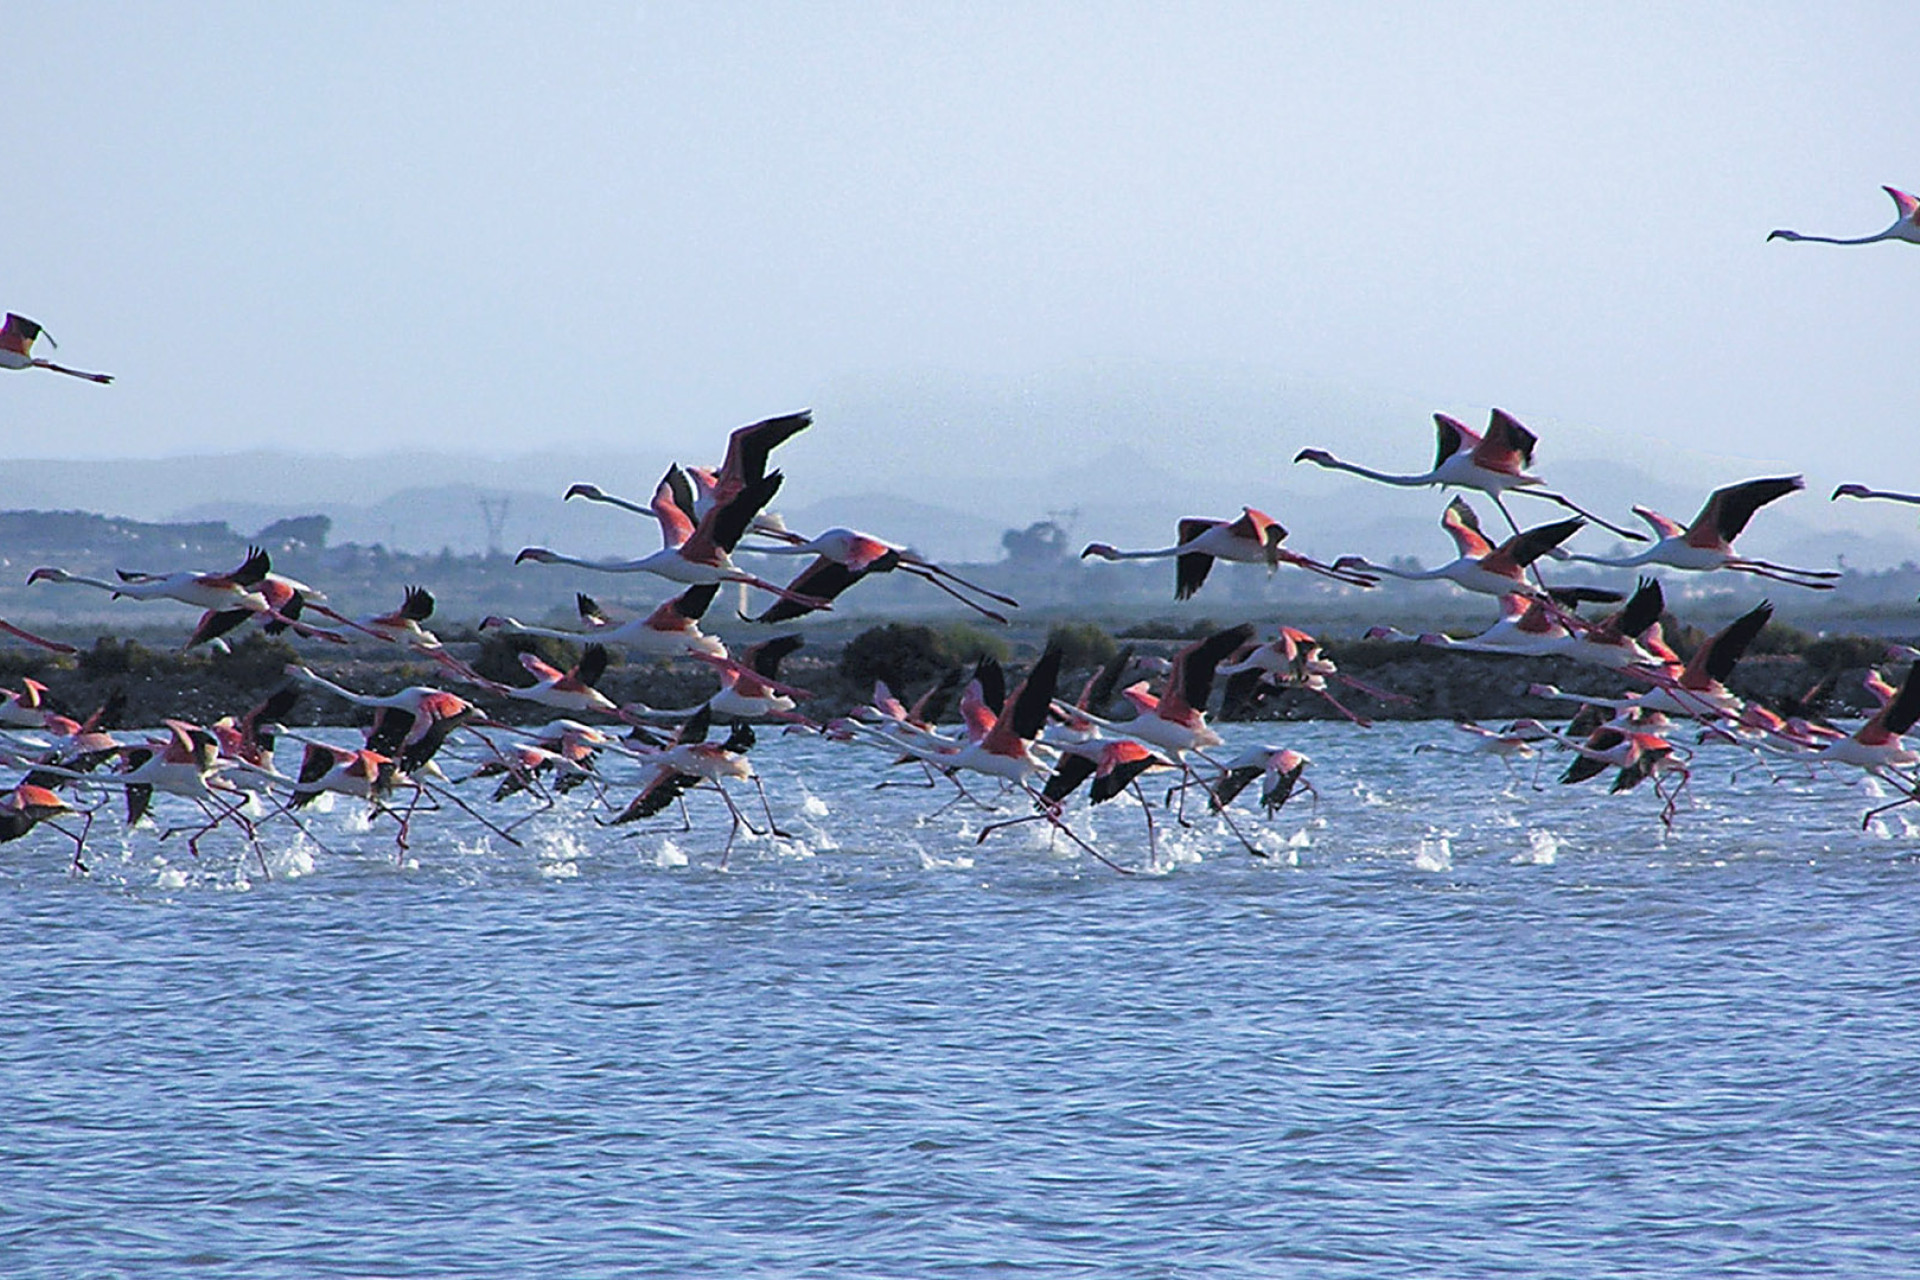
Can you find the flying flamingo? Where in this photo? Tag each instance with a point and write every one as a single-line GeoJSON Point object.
{"type": "Point", "coordinates": [1254, 538]}
{"type": "Point", "coordinates": [1176, 720]}
{"type": "Point", "coordinates": [1527, 627]}
{"type": "Point", "coordinates": [1707, 543]}
{"type": "Point", "coordinates": [1905, 227]}
{"type": "Point", "coordinates": [699, 489]}
{"type": "Point", "coordinates": [1481, 566]}
{"type": "Point", "coordinates": [286, 600]}
{"type": "Point", "coordinates": [695, 554]}
{"type": "Point", "coordinates": [750, 688]}
{"type": "Point", "coordinates": [566, 690]}
{"type": "Point", "coordinates": [1114, 765]}
{"type": "Point", "coordinates": [1505, 745]}
{"type": "Point", "coordinates": [1636, 750]}
{"type": "Point", "coordinates": [1295, 660]}
{"type": "Point", "coordinates": [670, 631]}
{"type": "Point", "coordinates": [1494, 464]}
{"type": "Point", "coordinates": [235, 589]}
{"type": "Point", "coordinates": [1281, 768]}
{"type": "Point", "coordinates": [26, 805]}
{"type": "Point", "coordinates": [186, 763]}
{"type": "Point", "coordinates": [1697, 689]}
{"type": "Point", "coordinates": [410, 725]}
{"type": "Point", "coordinates": [17, 336]}
{"type": "Point", "coordinates": [25, 707]}
{"type": "Point", "coordinates": [844, 556]}
{"type": "Point", "coordinates": [1878, 746]}
{"type": "Point", "coordinates": [1624, 637]}
{"type": "Point", "coordinates": [691, 760]}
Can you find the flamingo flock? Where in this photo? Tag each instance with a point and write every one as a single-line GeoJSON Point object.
{"type": "Point", "coordinates": [1019, 753]}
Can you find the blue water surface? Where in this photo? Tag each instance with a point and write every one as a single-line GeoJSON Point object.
{"type": "Point", "coordinates": [1454, 1027]}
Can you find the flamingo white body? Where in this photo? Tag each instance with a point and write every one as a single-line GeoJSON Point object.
{"type": "Point", "coordinates": [25, 707]}
{"type": "Point", "coordinates": [1525, 628]}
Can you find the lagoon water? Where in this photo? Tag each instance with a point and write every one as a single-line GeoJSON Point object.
{"type": "Point", "coordinates": [1455, 1027]}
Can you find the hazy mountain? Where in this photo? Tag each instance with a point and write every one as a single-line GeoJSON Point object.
{"type": "Point", "coordinates": [1113, 454]}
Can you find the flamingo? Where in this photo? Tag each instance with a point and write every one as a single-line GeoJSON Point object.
{"type": "Point", "coordinates": [1114, 765]}
{"type": "Point", "coordinates": [696, 554]}
{"type": "Point", "coordinates": [1905, 227]}
{"type": "Point", "coordinates": [25, 707]}
{"type": "Point", "coordinates": [235, 589]}
{"type": "Point", "coordinates": [1635, 749]}
{"type": "Point", "coordinates": [1176, 720]}
{"type": "Point", "coordinates": [844, 556]}
{"type": "Point", "coordinates": [1292, 660]}
{"type": "Point", "coordinates": [746, 463]}
{"type": "Point", "coordinates": [1698, 689]}
{"type": "Point", "coordinates": [670, 631]}
{"type": "Point", "coordinates": [26, 805]}
{"type": "Point", "coordinates": [1494, 464]}
{"type": "Point", "coordinates": [566, 690]}
{"type": "Point", "coordinates": [286, 600]}
{"type": "Point", "coordinates": [1505, 745]}
{"type": "Point", "coordinates": [1878, 747]}
{"type": "Point", "coordinates": [186, 763]}
{"type": "Point", "coordinates": [1282, 768]}
{"type": "Point", "coordinates": [566, 748]}
{"type": "Point", "coordinates": [750, 689]}
{"type": "Point", "coordinates": [17, 337]}
{"type": "Point", "coordinates": [1707, 543]}
{"type": "Point", "coordinates": [1481, 566]}
{"type": "Point", "coordinates": [410, 725]}
{"type": "Point", "coordinates": [249, 740]}
{"type": "Point", "coordinates": [691, 760]}
{"type": "Point", "coordinates": [1254, 538]}
{"type": "Point", "coordinates": [1623, 638]}
{"type": "Point", "coordinates": [1526, 628]}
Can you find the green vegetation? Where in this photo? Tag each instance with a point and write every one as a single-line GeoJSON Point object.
{"type": "Point", "coordinates": [1082, 645]}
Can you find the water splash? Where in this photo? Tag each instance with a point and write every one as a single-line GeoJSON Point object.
{"type": "Point", "coordinates": [1434, 854]}
{"type": "Point", "coordinates": [1543, 846]}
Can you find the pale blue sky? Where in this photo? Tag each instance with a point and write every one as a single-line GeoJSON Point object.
{"type": "Point", "coordinates": [494, 228]}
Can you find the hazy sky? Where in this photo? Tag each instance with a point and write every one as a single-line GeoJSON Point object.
{"type": "Point", "coordinates": [355, 227]}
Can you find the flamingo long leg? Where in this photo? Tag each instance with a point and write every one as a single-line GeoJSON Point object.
{"type": "Point", "coordinates": [1566, 502]}
{"type": "Point", "coordinates": [31, 638]}
{"type": "Point", "coordinates": [971, 604]}
{"type": "Point", "coordinates": [925, 566]}
{"type": "Point", "coordinates": [51, 367]}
